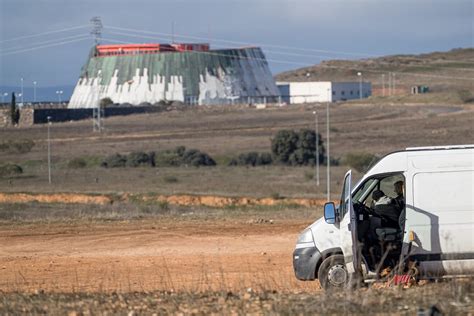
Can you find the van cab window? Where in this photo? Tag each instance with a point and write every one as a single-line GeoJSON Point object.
{"type": "Point", "coordinates": [385, 184]}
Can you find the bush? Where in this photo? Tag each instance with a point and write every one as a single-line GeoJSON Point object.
{"type": "Point", "coordinates": [360, 161]}
{"type": "Point", "coordinates": [21, 146]}
{"type": "Point", "coordinates": [139, 158]}
{"type": "Point", "coordinates": [106, 102]}
{"type": "Point", "coordinates": [170, 179]}
{"type": "Point", "coordinates": [251, 159]}
{"type": "Point", "coordinates": [8, 170]}
{"type": "Point", "coordinates": [77, 163]}
{"type": "Point", "coordinates": [114, 161]}
{"type": "Point", "coordinates": [297, 148]}
{"type": "Point", "coordinates": [466, 96]}
{"type": "Point", "coordinates": [182, 156]}
{"type": "Point", "coordinates": [309, 175]}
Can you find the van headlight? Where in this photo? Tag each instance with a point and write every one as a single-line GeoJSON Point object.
{"type": "Point", "coordinates": [305, 237]}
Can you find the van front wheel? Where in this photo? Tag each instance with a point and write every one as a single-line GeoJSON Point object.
{"type": "Point", "coordinates": [332, 273]}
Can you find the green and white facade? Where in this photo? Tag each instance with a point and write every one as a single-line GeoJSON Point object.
{"type": "Point", "coordinates": [194, 77]}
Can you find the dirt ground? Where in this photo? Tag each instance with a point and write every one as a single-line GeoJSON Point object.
{"type": "Point", "coordinates": [150, 255]}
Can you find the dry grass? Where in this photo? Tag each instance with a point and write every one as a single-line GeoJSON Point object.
{"type": "Point", "coordinates": [453, 298]}
{"type": "Point", "coordinates": [223, 133]}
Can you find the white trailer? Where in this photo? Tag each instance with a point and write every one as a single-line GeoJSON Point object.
{"type": "Point", "coordinates": [434, 231]}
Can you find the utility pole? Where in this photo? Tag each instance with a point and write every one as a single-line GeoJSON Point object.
{"type": "Point", "coordinates": [49, 150]}
{"type": "Point", "coordinates": [383, 85]}
{"type": "Point", "coordinates": [328, 152]}
{"type": "Point", "coordinates": [389, 83]}
{"type": "Point", "coordinates": [317, 146]}
{"type": "Point", "coordinates": [22, 94]}
{"type": "Point", "coordinates": [393, 83]}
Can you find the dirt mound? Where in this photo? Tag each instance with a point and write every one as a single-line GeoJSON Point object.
{"type": "Point", "coordinates": [66, 198]}
{"type": "Point", "coordinates": [219, 201]}
{"type": "Point", "coordinates": [184, 200]}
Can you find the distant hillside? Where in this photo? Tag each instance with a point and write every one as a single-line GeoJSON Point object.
{"type": "Point", "coordinates": [442, 72]}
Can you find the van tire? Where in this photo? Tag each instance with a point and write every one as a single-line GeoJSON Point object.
{"type": "Point", "coordinates": [332, 273]}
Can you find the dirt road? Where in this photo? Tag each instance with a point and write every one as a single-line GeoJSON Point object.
{"type": "Point", "coordinates": [171, 254]}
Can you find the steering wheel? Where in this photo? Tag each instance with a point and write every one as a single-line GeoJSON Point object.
{"type": "Point", "coordinates": [360, 208]}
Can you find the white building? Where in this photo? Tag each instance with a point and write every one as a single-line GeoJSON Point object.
{"type": "Point", "coordinates": [322, 91]}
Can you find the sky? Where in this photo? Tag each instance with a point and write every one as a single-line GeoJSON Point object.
{"type": "Point", "coordinates": [292, 33]}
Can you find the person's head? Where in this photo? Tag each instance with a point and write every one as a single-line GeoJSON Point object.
{"type": "Point", "coordinates": [398, 187]}
{"type": "Point", "coordinates": [377, 194]}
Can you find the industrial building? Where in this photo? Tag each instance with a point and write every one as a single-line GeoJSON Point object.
{"type": "Point", "coordinates": [190, 73]}
{"type": "Point", "coordinates": [323, 91]}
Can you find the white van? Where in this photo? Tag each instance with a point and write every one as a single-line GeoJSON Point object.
{"type": "Point", "coordinates": [428, 224]}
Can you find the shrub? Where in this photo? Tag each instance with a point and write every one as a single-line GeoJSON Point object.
{"type": "Point", "coordinates": [8, 170]}
{"type": "Point", "coordinates": [297, 148]}
{"type": "Point", "coordinates": [197, 158]}
{"type": "Point", "coordinates": [251, 159]}
{"type": "Point", "coordinates": [114, 161]}
{"type": "Point", "coordinates": [21, 146]}
{"type": "Point", "coordinates": [360, 161]}
{"type": "Point", "coordinates": [264, 159]}
{"type": "Point", "coordinates": [466, 96]}
{"type": "Point", "coordinates": [309, 175]}
{"type": "Point", "coordinates": [77, 163]}
{"type": "Point", "coordinates": [182, 156]}
{"type": "Point", "coordinates": [170, 179]}
{"type": "Point", "coordinates": [106, 102]}
{"type": "Point", "coordinates": [139, 158]}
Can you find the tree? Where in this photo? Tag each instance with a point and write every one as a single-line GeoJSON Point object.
{"type": "Point", "coordinates": [14, 112]}
{"type": "Point", "coordinates": [297, 148]}
{"type": "Point", "coordinates": [106, 102]}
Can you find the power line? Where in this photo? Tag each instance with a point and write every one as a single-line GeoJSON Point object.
{"type": "Point", "coordinates": [45, 46]}
{"type": "Point", "coordinates": [215, 53]}
{"type": "Point", "coordinates": [218, 45]}
{"type": "Point", "coordinates": [42, 43]}
{"type": "Point", "coordinates": [277, 46]}
{"type": "Point", "coordinates": [44, 33]}
{"type": "Point", "coordinates": [306, 64]}
{"type": "Point", "coordinates": [245, 43]}
{"type": "Point", "coordinates": [325, 66]}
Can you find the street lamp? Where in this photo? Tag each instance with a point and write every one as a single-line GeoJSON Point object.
{"type": "Point", "coordinates": [34, 91]}
{"type": "Point", "coordinates": [317, 146]}
{"type": "Point", "coordinates": [20, 95]}
{"type": "Point", "coordinates": [360, 84]}
{"type": "Point", "coordinates": [328, 150]}
{"type": "Point", "coordinates": [22, 100]}
{"type": "Point", "coordinates": [59, 95]}
{"type": "Point", "coordinates": [49, 150]}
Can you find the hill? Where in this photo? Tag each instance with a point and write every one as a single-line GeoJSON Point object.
{"type": "Point", "coordinates": [449, 75]}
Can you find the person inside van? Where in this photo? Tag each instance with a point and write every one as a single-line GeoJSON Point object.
{"type": "Point", "coordinates": [385, 208]}
{"type": "Point", "coordinates": [399, 199]}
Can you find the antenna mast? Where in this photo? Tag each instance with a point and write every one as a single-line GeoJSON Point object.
{"type": "Point", "coordinates": [96, 31]}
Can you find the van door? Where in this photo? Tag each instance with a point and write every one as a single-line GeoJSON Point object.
{"type": "Point", "coordinates": [348, 228]}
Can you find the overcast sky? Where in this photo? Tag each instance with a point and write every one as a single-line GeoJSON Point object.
{"type": "Point", "coordinates": [293, 33]}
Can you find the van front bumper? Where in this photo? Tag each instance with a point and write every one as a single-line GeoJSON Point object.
{"type": "Point", "coordinates": [305, 261]}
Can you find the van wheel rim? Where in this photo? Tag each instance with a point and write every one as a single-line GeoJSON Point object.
{"type": "Point", "coordinates": [337, 275]}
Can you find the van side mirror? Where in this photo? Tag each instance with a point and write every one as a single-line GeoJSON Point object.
{"type": "Point", "coordinates": [330, 213]}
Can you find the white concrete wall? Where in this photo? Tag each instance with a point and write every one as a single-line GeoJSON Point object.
{"type": "Point", "coordinates": [322, 91]}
